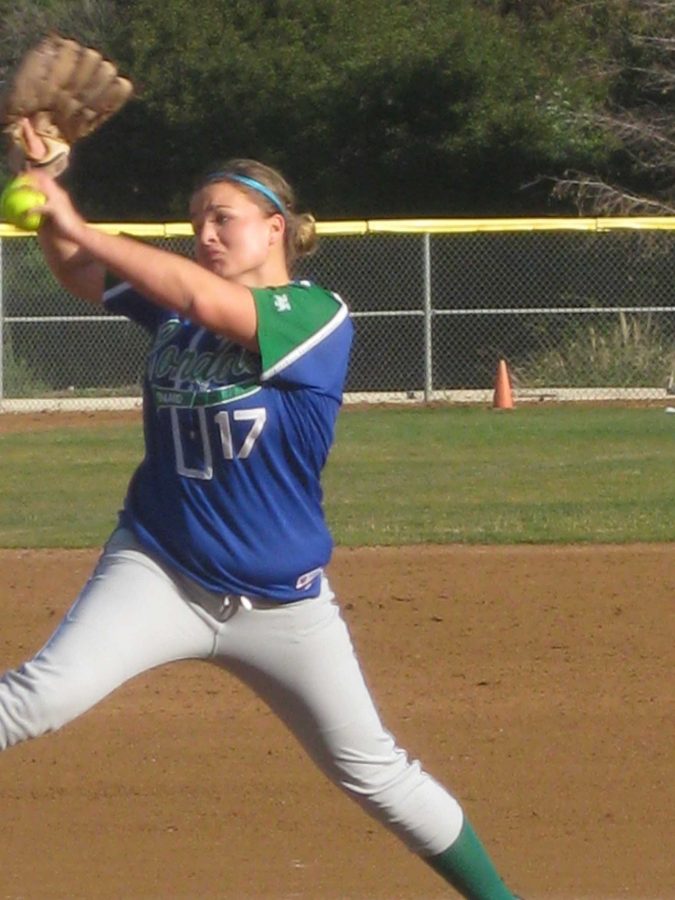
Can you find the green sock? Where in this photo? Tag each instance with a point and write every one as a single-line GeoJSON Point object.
{"type": "Point", "coordinates": [467, 867]}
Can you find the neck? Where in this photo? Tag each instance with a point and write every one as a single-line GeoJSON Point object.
{"type": "Point", "coordinates": [270, 274]}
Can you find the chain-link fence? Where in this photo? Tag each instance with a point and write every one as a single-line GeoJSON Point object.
{"type": "Point", "coordinates": [580, 309]}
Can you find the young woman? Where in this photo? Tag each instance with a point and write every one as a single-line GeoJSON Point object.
{"type": "Point", "coordinates": [221, 547]}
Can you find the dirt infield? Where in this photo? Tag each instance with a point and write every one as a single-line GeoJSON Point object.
{"type": "Point", "coordinates": [536, 682]}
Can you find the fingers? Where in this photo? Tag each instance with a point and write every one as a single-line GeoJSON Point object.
{"type": "Point", "coordinates": [33, 145]}
{"type": "Point", "coordinates": [57, 211]}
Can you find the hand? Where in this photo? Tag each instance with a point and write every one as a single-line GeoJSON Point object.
{"type": "Point", "coordinates": [60, 217]}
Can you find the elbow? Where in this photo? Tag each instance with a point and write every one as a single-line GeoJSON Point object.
{"type": "Point", "coordinates": [84, 282]}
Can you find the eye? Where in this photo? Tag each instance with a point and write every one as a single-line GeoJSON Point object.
{"type": "Point", "coordinates": [221, 218]}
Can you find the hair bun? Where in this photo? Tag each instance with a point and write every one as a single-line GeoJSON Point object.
{"type": "Point", "coordinates": [305, 234]}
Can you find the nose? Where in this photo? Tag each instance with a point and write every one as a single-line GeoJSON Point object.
{"type": "Point", "coordinates": [206, 233]}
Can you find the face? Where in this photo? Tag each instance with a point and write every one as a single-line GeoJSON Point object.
{"type": "Point", "coordinates": [234, 237]}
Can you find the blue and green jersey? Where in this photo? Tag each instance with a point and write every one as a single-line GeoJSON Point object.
{"type": "Point", "coordinates": [229, 491]}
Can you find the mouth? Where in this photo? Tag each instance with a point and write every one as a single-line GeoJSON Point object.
{"type": "Point", "coordinates": [212, 259]}
{"type": "Point", "coordinates": [214, 253]}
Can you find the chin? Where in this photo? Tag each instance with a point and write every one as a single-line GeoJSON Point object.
{"type": "Point", "coordinates": [217, 266]}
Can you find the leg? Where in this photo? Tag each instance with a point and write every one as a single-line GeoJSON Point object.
{"type": "Point", "coordinates": [300, 660]}
{"type": "Point", "coordinates": [129, 617]}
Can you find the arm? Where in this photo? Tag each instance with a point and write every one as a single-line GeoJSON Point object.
{"type": "Point", "coordinates": [76, 270]}
{"type": "Point", "coordinates": [79, 255]}
{"type": "Point", "coordinates": [177, 283]}
{"type": "Point", "coordinates": [72, 266]}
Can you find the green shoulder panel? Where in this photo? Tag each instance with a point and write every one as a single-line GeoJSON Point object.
{"type": "Point", "coordinates": [292, 319]}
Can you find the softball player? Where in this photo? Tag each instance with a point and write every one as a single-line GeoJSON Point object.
{"type": "Point", "coordinates": [221, 548]}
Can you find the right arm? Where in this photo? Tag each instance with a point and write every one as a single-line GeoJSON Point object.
{"type": "Point", "coordinates": [73, 267]}
{"type": "Point", "coordinates": [80, 255]}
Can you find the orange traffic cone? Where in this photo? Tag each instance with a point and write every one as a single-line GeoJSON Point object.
{"type": "Point", "coordinates": [503, 395]}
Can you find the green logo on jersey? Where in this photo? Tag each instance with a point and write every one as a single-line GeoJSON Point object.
{"type": "Point", "coordinates": [227, 363]}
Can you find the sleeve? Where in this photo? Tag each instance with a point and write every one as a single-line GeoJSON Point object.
{"type": "Point", "coordinates": [304, 336]}
{"type": "Point", "coordinates": [120, 298]}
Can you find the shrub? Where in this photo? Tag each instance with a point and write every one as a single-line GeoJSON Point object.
{"type": "Point", "coordinates": [617, 350]}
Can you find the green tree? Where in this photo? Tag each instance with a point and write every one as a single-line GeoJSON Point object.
{"type": "Point", "coordinates": [374, 108]}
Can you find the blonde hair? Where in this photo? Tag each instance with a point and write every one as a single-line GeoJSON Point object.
{"type": "Point", "coordinates": [273, 194]}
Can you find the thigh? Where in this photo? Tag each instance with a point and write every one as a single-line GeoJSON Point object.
{"type": "Point", "coordinates": [300, 660]}
{"type": "Point", "coordinates": [130, 617]}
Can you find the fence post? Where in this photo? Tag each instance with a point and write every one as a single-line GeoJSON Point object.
{"type": "Point", "coordinates": [428, 314]}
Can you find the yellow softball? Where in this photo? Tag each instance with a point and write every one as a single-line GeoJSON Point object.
{"type": "Point", "coordinates": [17, 203]}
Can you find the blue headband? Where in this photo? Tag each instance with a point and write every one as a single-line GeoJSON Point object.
{"type": "Point", "coordinates": [251, 183]}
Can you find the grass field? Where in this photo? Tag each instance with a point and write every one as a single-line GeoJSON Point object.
{"type": "Point", "coordinates": [396, 476]}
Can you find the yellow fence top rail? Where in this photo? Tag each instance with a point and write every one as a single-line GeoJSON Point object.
{"type": "Point", "coordinates": [403, 226]}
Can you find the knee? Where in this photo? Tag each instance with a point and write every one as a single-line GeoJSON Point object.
{"type": "Point", "coordinates": [381, 776]}
{"type": "Point", "coordinates": [401, 795]}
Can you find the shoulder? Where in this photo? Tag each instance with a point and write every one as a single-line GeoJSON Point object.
{"type": "Point", "coordinates": [300, 320]}
{"type": "Point", "coordinates": [303, 298]}
{"type": "Point", "coordinates": [295, 312]}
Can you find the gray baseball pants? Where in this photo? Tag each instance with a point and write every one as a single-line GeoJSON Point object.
{"type": "Point", "coordinates": [134, 614]}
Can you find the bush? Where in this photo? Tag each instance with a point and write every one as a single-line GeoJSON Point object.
{"type": "Point", "coordinates": [18, 378]}
{"type": "Point", "coordinates": [617, 350]}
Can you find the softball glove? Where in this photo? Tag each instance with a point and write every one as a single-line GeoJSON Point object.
{"type": "Point", "coordinates": [66, 91]}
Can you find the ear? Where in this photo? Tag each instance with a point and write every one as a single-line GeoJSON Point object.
{"type": "Point", "coordinates": [277, 229]}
